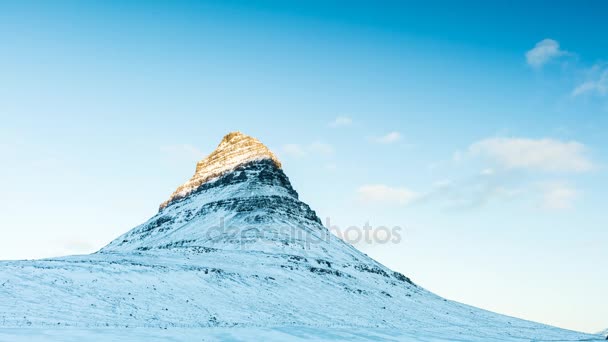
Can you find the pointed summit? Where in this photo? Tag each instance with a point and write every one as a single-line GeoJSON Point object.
{"type": "Point", "coordinates": [240, 185]}
{"type": "Point", "coordinates": [234, 150]}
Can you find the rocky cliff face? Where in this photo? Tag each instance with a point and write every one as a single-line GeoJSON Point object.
{"type": "Point", "coordinates": [235, 149]}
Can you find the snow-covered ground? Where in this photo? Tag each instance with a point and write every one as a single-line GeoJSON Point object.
{"type": "Point", "coordinates": [113, 293]}
{"type": "Point", "coordinates": [276, 334]}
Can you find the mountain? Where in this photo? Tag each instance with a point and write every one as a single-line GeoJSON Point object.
{"type": "Point", "coordinates": [234, 247]}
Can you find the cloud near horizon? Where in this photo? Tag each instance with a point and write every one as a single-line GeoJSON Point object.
{"type": "Point", "coordinates": [389, 138]}
{"type": "Point", "coordinates": [495, 182]}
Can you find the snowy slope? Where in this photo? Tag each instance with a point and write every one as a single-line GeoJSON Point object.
{"type": "Point", "coordinates": [189, 290]}
{"type": "Point", "coordinates": [239, 249]}
{"type": "Point", "coordinates": [267, 334]}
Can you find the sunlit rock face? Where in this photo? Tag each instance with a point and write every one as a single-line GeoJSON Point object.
{"type": "Point", "coordinates": [235, 149]}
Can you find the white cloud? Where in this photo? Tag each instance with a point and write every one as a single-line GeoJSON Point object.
{"type": "Point", "coordinates": [314, 148]}
{"type": "Point", "coordinates": [543, 52]}
{"type": "Point", "coordinates": [386, 194]}
{"type": "Point", "coordinates": [598, 85]}
{"type": "Point", "coordinates": [470, 193]}
{"type": "Point", "coordinates": [534, 154]}
{"type": "Point", "coordinates": [389, 138]}
{"type": "Point", "coordinates": [557, 196]}
{"type": "Point", "coordinates": [341, 121]}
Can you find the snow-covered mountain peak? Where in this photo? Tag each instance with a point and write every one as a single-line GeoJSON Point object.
{"type": "Point", "coordinates": [235, 247]}
{"type": "Point", "coordinates": [234, 150]}
{"type": "Point", "coordinates": [238, 198]}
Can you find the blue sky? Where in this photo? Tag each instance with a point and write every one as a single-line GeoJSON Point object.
{"type": "Point", "coordinates": [479, 128]}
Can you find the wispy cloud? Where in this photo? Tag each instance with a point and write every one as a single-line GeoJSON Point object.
{"type": "Point", "coordinates": [385, 194]}
{"type": "Point", "coordinates": [341, 121]}
{"type": "Point", "coordinates": [595, 81]}
{"type": "Point", "coordinates": [543, 52]}
{"type": "Point", "coordinates": [389, 138]}
{"type": "Point", "coordinates": [597, 84]}
{"type": "Point", "coordinates": [474, 192]}
{"type": "Point", "coordinates": [495, 180]}
{"type": "Point", "coordinates": [558, 196]}
{"type": "Point", "coordinates": [452, 195]}
{"type": "Point", "coordinates": [315, 148]}
{"type": "Point", "coordinates": [534, 154]}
